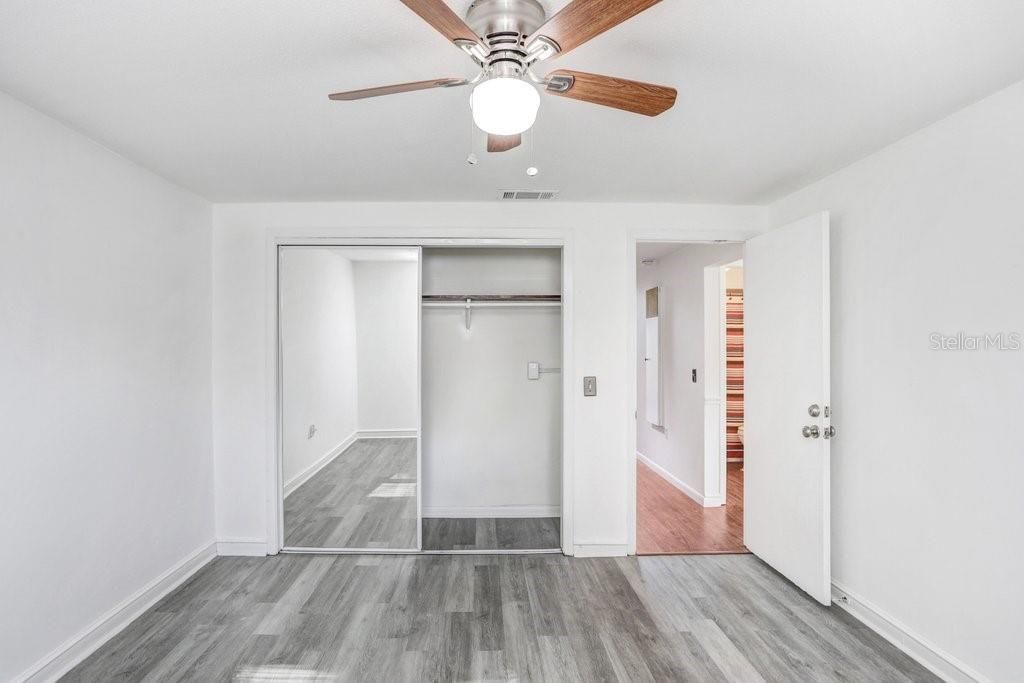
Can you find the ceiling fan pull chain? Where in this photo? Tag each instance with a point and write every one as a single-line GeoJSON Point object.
{"type": "Point", "coordinates": [472, 159]}
{"type": "Point", "coordinates": [532, 169]}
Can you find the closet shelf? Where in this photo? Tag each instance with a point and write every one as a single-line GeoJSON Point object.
{"type": "Point", "coordinates": [491, 298]}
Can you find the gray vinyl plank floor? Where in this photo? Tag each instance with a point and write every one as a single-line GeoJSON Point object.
{"type": "Point", "coordinates": [364, 498]}
{"type": "Point", "coordinates": [520, 533]}
{"type": "Point", "coordinates": [509, 617]}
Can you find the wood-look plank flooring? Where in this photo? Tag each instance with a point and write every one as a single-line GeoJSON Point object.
{"type": "Point", "coordinates": [468, 618]}
{"type": "Point", "coordinates": [668, 522]}
{"type": "Point", "coordinates": [521, 533]}
{"type": "Point", "coordinates": [352, 502]}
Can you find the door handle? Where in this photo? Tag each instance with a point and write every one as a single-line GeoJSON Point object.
{"type": "Point", "coordinates": [830, 432]}
{"type": "Point", "coordinates": [810, 431]}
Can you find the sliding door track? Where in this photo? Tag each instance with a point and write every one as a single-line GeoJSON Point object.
{"type": "Point", "coordinates": [390, 551]}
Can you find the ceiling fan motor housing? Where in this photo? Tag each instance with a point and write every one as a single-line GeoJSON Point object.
{"type": "Point", "coordinates": [505, 26]}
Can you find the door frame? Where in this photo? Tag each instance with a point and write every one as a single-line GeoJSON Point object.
{"type": "Point", "coordinates": [632, 240]}
{"type": "Point", "coordinates": [716, 457]}
{"type": "Point", "coordinates": [274, 456]}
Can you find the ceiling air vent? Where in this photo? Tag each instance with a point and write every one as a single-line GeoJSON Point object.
{"type": "Point", "coordinates": [527, 194]}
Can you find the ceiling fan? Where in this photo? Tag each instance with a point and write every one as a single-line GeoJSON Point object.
{"type": "Point", "coordinates": [506, 38]}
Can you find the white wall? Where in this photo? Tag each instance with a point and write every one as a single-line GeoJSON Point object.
{"type": "Point", "coordinates": [492, 271]}
{"type": "Point", "coordinates": [105, 334]}
{"type": "Point", "coordinates": [492, 439]}
{"type": "Point", "coordinates": [597, 239]}
{"type": "Point", "coordinates": [927, 511]}
{"type": "Point", "coordinates": [387, 317]}
{"type": "Point", "coordinates": [678, 445]}
{"type": "Point", "coordinates": [319, 371]}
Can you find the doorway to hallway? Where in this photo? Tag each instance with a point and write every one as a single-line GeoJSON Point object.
{"type": "Point", "coordinates": [689, 435]}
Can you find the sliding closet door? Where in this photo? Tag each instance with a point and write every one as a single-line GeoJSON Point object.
{"type": "Point", "coordinates": [350, 415]}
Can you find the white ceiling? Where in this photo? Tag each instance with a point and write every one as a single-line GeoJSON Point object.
{"type": "Point", "coordinates": [228, 97]}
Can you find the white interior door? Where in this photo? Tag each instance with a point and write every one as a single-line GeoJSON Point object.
{"type": "Point", "coordinates": [786, 513]}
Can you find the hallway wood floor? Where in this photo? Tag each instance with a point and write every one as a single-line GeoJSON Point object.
{"type": "Point", "coordinates": [668, 522]}
{"type": "Point", "coordinates": [361, 499]}
{"type": "Point", "coordinates": [461, 618]}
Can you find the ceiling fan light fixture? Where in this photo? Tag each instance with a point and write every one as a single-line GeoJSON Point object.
{"type": "Point", "coordinates": [504, 106]}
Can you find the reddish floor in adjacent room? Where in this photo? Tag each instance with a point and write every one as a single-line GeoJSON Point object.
{"type": "Point", "coordinates": [671, 523]}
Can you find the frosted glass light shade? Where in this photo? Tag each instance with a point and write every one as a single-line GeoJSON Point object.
{"type": "Point", "coordinates": [504, 106]}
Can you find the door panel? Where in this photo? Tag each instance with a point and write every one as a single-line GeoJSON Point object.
{"type": "Point", "coordinates": [786, 518]}
{"type": "Point", "coordinates": [350, 398]}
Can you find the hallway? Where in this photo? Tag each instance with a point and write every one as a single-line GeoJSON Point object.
{"type": "Point", "coordinates": [671, 523]}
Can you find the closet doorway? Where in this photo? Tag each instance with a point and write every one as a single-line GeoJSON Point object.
{"type": "Point", "coordinates": [492, 399]}
{"type": "Point", "coordinates": [420, 396]}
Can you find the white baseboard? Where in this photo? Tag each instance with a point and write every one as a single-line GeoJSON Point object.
{"type": "Point", "coordinates": [502, 511]}
{"type": "Point", "coordinates": [73, 651]}
{"type": "Point", "coordinates": [388, 433]}
{"type": "Point", "coordinates": [241, 547]}
{"type": "Point", "coordinates": [940, 663]}
{"type": "Point", "coordinates": [305, 475]}
{"type": "Point", "coordinates": [599, 550]}
{"type": "Point", "coordinates": [679, 483]}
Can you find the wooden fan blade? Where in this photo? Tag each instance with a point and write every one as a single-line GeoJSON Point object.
{"type": "Point", "coordinates": [618, 93]}
{"type": "Point", "coordinates": [438, 14]}
{"type": "Point", "coordinates": [581, 20]}
{"type": "Point", "coordinates": [400, 87]}
{"type": "Point", "coordinates": [503, 143]}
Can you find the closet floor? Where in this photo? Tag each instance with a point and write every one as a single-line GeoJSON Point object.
{"type": "Point", "coordinates": [364, 498]}
{"type": "Point", "coordinates": [668, 522]}
{"type": "Point", "coordinates": [533, 533]}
